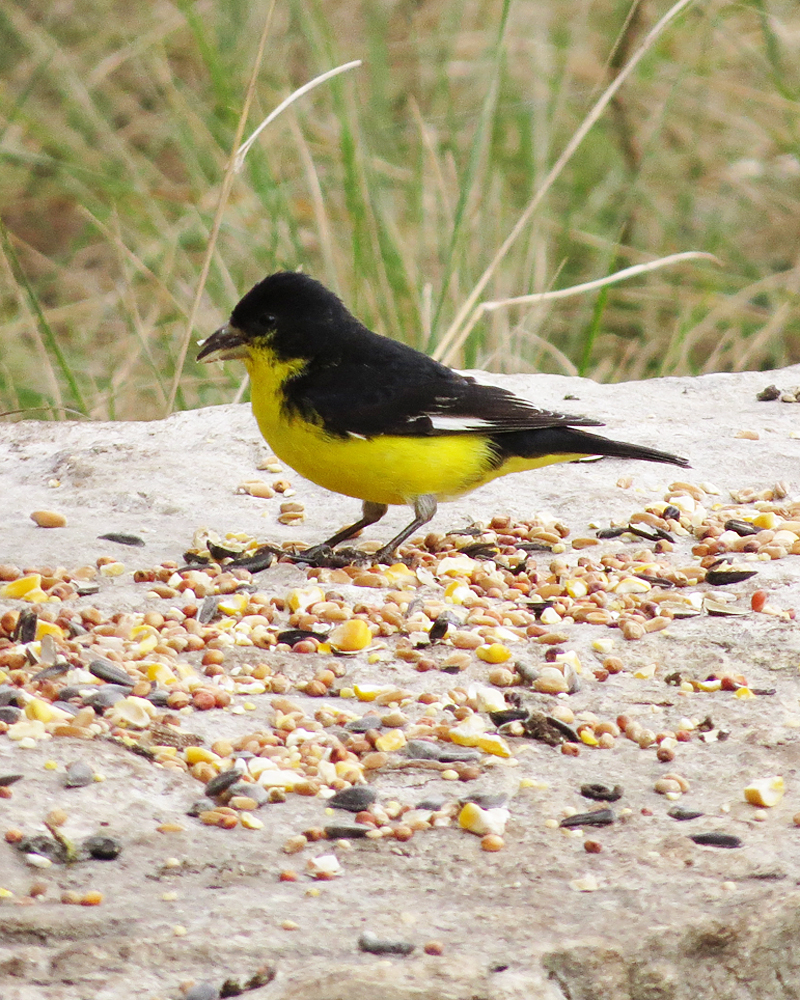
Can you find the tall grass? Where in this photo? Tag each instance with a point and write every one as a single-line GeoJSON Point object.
{"type": "Point", "coordinates": [394, 183]}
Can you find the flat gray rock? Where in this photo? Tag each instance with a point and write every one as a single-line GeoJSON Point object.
{"type": "Point", "coordinates": [652, 915]}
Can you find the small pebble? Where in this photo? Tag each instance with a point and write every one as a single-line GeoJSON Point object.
{"type": "Point", "coordinates": [684, 814]}
{"type": "Point", "coordinates": [601, 793]}
{"type": "Point", "coordinates": [354, 799]}
{"type": "Point", "coordinates": [347, 831]}
{"type": "Point", "coordinates": [102, 848]}
{"type": "Point", "coordinates": [371, 943]}
{"type": "Point", "coordinates": [223, 781]}
{"type": "Point", "coordinates": [200, 806]}
{"type": "Point", "coordinates": [447, 753]}
{"type": "Point", "coordinates": [201, 991]}
{"type": "Point", "coordinates": [586, 884]}
{"type": "Point", "coordinates": [364, 724]}
{"type": "Point", "coordinates": [106, 696]}
{"type": "Point", "coordinates": [78, 775]}
{"type": "Point", "coordinates": [295, 843]}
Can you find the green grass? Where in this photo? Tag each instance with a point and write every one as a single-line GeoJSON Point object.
{"type": "Point", "coordinates": [394, 183]}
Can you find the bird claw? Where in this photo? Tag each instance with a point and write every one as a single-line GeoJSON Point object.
{"type": "Point", "coordinates": [386, 557]}
{"type": "Point", "coordinates": [324, 556]}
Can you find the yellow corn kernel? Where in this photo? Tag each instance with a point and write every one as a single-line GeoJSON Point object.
{"type": "Point", "coordinates": [631, 585]}
{"type": "Point", "coordinates": [234, 604]}
{"type": "Point", "coordinates": [351, 636]}
{"type": "Point", "coordinates": [494, 744]}
{"type": "Point", "coordinates": [112, 569]}
{"type": "Point", "coordinates": [456, 592]}
{"type": "Point", "coordinates": [494, 652]}
{"type": "Point", "coordinates": [766, 792]}
{"type": "Point", "coordinates": [43, 711]}
{"type": "Point", "coordinates": [392, 739]}
{"type": "Point", "coordinates": [250, 822]}
{"type": "Point", "coordinates": [197, 755]}
{"type": "Point", "coordinates": [160, 672]}
{"type": "Point", "coordinates": [44, 628]}
{"type": "Point", "coordinates": [23, 586]}
{"type": "Point", "coordinates": [576, 588]}
{"type": "Point", "coordinates": [303, 597]}
{"type": "Point", "coordinates": [366, 692]}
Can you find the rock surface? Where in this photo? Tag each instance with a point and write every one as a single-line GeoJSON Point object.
{"type": "Point", "coordinates": [668, 919]}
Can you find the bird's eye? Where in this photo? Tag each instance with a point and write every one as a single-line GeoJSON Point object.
{"type": "Point", "coordinates": [268, 320]}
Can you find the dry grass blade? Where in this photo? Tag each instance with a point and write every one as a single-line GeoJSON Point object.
{"type": "Point", "coordinates": [589, 286]}
{"type": "Point", "coordinates": [244, 149]}
{"type": "Point", "coordinates": [235, 165]}
{"type": "Point", "coordinates": [227, 184]}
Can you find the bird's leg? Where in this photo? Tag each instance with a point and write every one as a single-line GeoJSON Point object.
{"type": "Point", "coordinates": [371, 512]}
{"type": "Point", "coordinates": [424, 509]}
{"type": "Point", "coordinates": [318, 554]}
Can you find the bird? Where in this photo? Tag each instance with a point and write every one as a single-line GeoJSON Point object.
{"type": "Point", "coordinates": [371, 418]}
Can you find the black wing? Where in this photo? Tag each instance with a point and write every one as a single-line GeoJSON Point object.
{"type": "Point", "coordinates": [404, 392]}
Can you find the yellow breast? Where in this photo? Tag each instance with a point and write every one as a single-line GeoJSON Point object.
{"type": "Point", "coordinates": [387, 469]}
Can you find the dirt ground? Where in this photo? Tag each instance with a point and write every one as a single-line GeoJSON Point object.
{"type": "Point", "coordinates": [651, 915]}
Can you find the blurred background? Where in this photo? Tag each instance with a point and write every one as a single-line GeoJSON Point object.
{"type": "Point", "coordinates": [394, 183]}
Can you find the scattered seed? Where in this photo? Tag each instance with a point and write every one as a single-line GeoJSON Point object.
{"type": "Point", "coordinates": [601, 793]}
{"type": "Point", "coordinates": [599, 817]}
{"type": "Point", "coordinates": [48, 519]}
{"type": "Point", "coordinates": [725, 840]}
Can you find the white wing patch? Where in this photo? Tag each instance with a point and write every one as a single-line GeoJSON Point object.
{"type": "Point", "coordinates": [442, 422]}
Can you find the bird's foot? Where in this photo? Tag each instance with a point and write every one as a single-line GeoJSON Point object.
{"type": "Point", "coordinates": [386, 556]}
{"type": "Point", "coordinates": [324, 556]}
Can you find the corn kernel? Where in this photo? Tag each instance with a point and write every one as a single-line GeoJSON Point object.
{"type": "Point", "coordinates": [351, 636]}
{"type": "Point", "coordinates": [495, 652]}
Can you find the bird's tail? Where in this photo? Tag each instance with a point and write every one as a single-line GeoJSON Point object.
{"type": "Point", "coordinates": [570, 441]}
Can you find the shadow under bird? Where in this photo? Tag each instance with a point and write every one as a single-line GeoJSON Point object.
{"type": "Point", "coordinates": [366, 416]}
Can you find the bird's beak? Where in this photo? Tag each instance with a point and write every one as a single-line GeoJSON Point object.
{"type": "Point", "coordinates": [225, 344]}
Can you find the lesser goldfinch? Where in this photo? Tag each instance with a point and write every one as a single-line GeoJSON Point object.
{"type": "Point", "coordinates": [374, 419]}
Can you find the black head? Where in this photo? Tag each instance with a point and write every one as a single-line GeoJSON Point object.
{"type": "Point", "coordinates": [292, 311]}
{"type": "Point", "coordinates": [289, 313]}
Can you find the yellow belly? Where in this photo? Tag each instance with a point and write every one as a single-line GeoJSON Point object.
{"type": "Point", "coordinates": [388, 469]}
